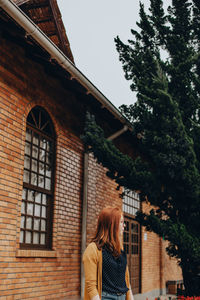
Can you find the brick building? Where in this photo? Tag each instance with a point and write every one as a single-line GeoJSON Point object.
{"type": "Point", "coordinates": [51, 191]}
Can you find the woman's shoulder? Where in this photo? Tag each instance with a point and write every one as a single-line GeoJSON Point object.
{"type": "Point", "coordinates": [91, 250]}
{"type": "Point", "coordinates": [92, 247]}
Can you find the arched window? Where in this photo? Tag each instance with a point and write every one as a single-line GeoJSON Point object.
{"type": "Point", "coordinates": [38, 181]}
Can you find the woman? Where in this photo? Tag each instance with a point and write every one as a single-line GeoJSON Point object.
{"type": "Point", "coordinates": [105, 263]}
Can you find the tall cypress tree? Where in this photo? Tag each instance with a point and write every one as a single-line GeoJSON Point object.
{"type": "Point", "coordinates": [162, 62]}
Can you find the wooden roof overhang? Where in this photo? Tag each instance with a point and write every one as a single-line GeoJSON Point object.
{"type": "Point", "coordinates": [46, 15]}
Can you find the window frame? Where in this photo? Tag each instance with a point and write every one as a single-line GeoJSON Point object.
{"type": "Point", "coordinates": [49, 206]}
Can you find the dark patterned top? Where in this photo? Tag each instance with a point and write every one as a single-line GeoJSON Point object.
{"type": "Point", "coordinates": [113, 272]}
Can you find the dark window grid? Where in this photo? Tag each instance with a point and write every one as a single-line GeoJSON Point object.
{"type": "Point", "coordinates": [134, 228]}
{"type": "Point", "coordinates": [34, 202]}
{"type": "Point", "coordinates": [134, 249]}
{"type": "Point", "coordinates": [36, 122]}
{"type": "Point", "coordinates": [131, 202]}
{"type": "Point", "coordinates": [126, 237]}
{"type": "Point", "coordinates": [32, 216]}
{"type": "Point", "coordinates": [42, 208]}
{"type": "Point", "coordinates": [45, 143]}
{"type": "Point", "coordinates": [135, 238]}
{"type": "Point", "coordinates": [45, 174]}
{"type": "Point", "coordinates": [41, 180]}
{"type": "Point", "coordinates": [32, 230]}
{"type": "Point", "coordinates": [41, 135]}
{"type": "Point", "coordinates": [46, 166]}
{"type": "Point", "coordinates": [43, 155]}
{"type": "Point", "coordinates": [131, 238]}
{"type": "Point", "coordinates": [126, 248]}
{"type": "Point", "coordinates": [129, 209]}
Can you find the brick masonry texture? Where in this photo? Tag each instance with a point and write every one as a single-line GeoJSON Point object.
{"type": "Point", "coordinates": [25, 83]}
{"type": "Point", "coordinates": [156, 261]}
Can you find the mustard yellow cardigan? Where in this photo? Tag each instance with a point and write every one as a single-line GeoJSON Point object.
{"type": "Point", "coordinates": [92, 260]}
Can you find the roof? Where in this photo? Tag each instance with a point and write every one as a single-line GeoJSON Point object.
{"type": "Point", "coordinates": [46, 15]}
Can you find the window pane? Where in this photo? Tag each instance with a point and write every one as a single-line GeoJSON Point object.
{"type": "Point", "coordinates": [30, 209]}
{"type": "Point", "coordinates": [38, 197]}
{"type": "Point", "coordinates": [30, 195]}
{"type": "Point", "coordinates": [42, 155]}
{"type": "Point", "coordinates": [23, 208]}
{"type": "Point", "coordinates": [48, 158]}
{"type": "Point", "coordinates": [37, 210]}
{"type": "Point", "coordinates": [43, 143]}
{"type": "Point", "coordinates": [43, 225]}
{"type": "Point", "coordinates": [41, 168]}
{"type": "Point", "coordinates": [135, 238]}
{"type": "Point", "coordinates": [26, 176]}
{"type": "Point", "coordinates": [48, 171]}
{"type": "Point", "coordinates": [36, 139]}
{"type": "Point", "coordinates": [134, 228]}
{"type": "Point", "coordinates": [43, 211]}
{"type": "Point", "coordinates": [127, 226]}
{"type": "Point", "coordinates": [48, 145]}
{"type": "Point", "coordinates": [36, 224]}
{"type": "Point", "coordinates": [124, 237]}
{"type": "Point", "coordinates": [22, 222]}
{"type": "Point", "coordinates": [44, 199]}
{"type": "Point", "coordinates": [35, 238]}
{"type": "Point", "coordinates": [26, 162]}
{"type": "Point", "coordinates": [27, 149]}
{"type": "Point", "coordinates": [21, 239]}
{"type": "Point", "coordinates": [28, 223]}
{"type": "Point", "coordinates": [28, 135]}
{"type": "Point", "coordinates": [34, 165]}
{"type": "Point", "coordinates": [35, 152]}
{"type": "Point", "coordinates": [42, 239]}
{"type": "Point", "coordinates": [41, 182]}
{"type": "Point", "coordinates": [34, 179]}
{"type": "Point", "coordinates": [28, 237]}
{"type": "Point", "coordinates": [24, 194]}
{"type": "Point", "coordinates": [47, 184]}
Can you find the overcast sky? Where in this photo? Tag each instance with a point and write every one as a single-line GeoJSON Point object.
{"type": "Point", "coordinates": [91, 27]}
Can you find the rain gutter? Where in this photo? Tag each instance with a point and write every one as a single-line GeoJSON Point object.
{"type": "Point", "coordinates": [38, 35]}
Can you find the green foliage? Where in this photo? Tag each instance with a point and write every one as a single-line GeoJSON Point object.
{"type": "Point", "coordinates": [162, 63]}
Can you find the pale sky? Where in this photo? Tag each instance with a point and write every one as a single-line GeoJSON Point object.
{"type": "Point", "coordinates": [91, 27]}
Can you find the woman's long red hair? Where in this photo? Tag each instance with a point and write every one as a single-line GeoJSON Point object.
{"type": "Point", "coordinates": [107, 231]}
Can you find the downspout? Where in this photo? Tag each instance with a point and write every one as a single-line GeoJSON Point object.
{"type": "Point", "coordinates": [161, 267]}
{"type": "Point", "coordinates": [84, 217]}
{"type": "Point", "coordinates": [118, 133]}
{"type": "Point", "coordinates": [85, 204]}
{"type": "Point", "coordinates": [38, 35]}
